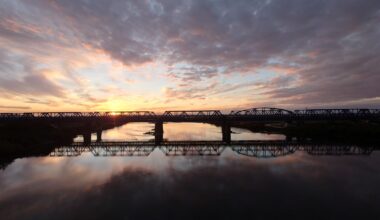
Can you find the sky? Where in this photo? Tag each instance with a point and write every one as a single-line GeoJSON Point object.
{"type": "Point", "coordinates": [82, 55]}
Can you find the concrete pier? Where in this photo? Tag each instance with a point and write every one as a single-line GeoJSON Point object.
{"type": "Point", "coordinates": [226, 133]}
{"type": "Point", "coordinates": [87, 138]}
{"type": "Point", "coordinates": [158, 132]}
{"type": "Point", "coordinates": [99, 136]}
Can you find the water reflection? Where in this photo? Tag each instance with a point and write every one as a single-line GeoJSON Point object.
{"type": "Point", "coordinates": [178, 131]}
{"type": "Point", "coordinates": [132, 131]}
{"type": "Point", "coordinates": [156, 186]}
{"type": "Point", "coordinates": [259, 149]}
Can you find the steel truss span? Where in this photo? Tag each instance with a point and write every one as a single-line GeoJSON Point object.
{"type": "Point", "coordinates": [76, 114]}
{"type": "Point", "coordinates": [258, 149]}
{"type": "Point", "coordinates": [264, 113]}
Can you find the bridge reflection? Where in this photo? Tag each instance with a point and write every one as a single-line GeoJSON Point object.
{"type": "Point", "coordinates": [259, 149]}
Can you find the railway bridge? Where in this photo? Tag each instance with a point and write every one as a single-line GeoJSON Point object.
{"type": "Point", "coordinates": [203, 116]}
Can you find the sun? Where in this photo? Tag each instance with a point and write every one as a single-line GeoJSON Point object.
{"type": "Point", "coordinates": [114, 106]}
{"type": "Point", "coordinates": [114, 113]}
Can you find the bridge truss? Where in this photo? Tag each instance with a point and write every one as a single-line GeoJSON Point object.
{"type": "Point", "coordinates": [262, 111]}
{"type": "Point", "coordinates": [258, 149]}
{"type": "Point", "coordinates": [29, 115]}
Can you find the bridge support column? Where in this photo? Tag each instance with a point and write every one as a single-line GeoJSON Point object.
{"type": "Point", "coordinates": [87, 138]}
{"type": "Point", "coordinates": [226, 133]}
{"type": "Point", "coordinates": [99, 136]}
{"type": "Point", "coordinates": [158, 132]}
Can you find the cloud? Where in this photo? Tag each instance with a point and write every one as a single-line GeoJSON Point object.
{"type": "Point", "coordinates": [14, 107]}
{"type": "Point", "coordinates": [194, 92]}
{"type": "Point", "coordinates": [330, 47]}
{"type": "Point", "coordinates": [244, 36]}
{"type": "Point", "coordinates": [191, 74]}
{"type": "Point", "coordinates": [22, 77]}
{"type": "Point", "coordinates": [32, 85]}
{"type": "Point", "coordinates": [221, 90]}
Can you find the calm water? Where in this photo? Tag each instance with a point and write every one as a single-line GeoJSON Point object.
{"type": "Point", "coordinates": [228, 186]}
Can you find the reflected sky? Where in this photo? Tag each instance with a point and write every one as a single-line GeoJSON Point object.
{"type": "Point", "coordinates": [179, 131]}
{"type": "Point", "coordinates": [160, 187]}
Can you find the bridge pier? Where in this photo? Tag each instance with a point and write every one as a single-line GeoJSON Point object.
{"type": "Point", "coordinates": [226, 133]}
{"type": "Point", "coordinates": [99, 136]}
{"type": "Point", "coordinates": [87, 138]}
{"type": "Point", "coordinates": [158, 132]}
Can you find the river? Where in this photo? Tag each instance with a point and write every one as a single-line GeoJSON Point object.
{"type": "Point", "coordinates": [228, 185]}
